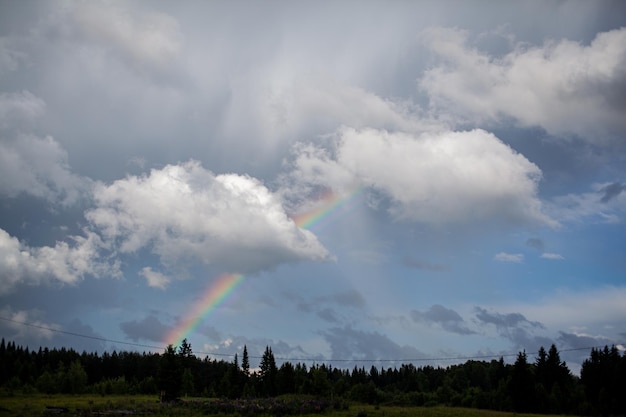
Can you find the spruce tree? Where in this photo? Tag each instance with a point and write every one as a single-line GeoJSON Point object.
{"type": "Point", "coordinates": [169, 375]}
{"type": "Point", "coordinates": [268, 372]}
{"type": "Point", "coordinates": [521, 386]}
{"type": "Point", "coordinates": [245, 362]}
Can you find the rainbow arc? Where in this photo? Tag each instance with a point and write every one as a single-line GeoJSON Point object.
{"type": "Point", "coordinates": [221, 289]}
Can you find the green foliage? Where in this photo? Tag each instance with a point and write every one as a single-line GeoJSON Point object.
{"type": "Point", "coordinates": [75, 378]}
{"type": "Point", "coordinates": [169, 375]}
{"type": "Point", "coordinates": [268, 372]}
{"type": "Point", "coordinates": [544, 385]}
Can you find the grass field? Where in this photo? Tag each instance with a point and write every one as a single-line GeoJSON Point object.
{"type": "Point", "coordinates": [35, 405]}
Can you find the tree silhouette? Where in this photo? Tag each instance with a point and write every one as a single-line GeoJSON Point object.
{"type": "Point", "coordinates": [169, 375]}
{"type": "Point", "coordinates": [603, 378]}
{"type": "Point", "coordinates": [245, 362]}
{"type": "Point", "coordinates": [268, 371]}
{"type": "Point", "coordinates": [521, 384]}
{"type": "Point", "coordinates": [544, 386]}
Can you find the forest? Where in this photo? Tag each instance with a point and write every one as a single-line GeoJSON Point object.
{"type": "Point", "coordinates": [544, 385]}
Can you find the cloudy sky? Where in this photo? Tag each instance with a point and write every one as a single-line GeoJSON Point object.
{"type": "Point", "coordinates": [468, 158]}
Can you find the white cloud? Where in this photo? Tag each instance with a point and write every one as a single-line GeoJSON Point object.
{"type": "Point", "coordinates": [320, 104]}
{"type": "Point", "coordinates": [184, 212]}
{"type": "Point", "coordinates": [155, 279]}
{"type": "Point", "coordinates": [445, 177]}
{"type": "Point", "coordinates": [30, 164]}
{"type": "Point", "coordinates": [39, 167]}
{"type": "Point", "coordinates": [552, 256]}
{"type": "Point", "coordinates": [21, 264]}
{"type": "Point", "coordinates": [600, 204]}
{"type": "Point", "coordinates": [589, 310]}
{"type": "Point", "coordinates": [270, 108]}
{"type": "Point", "coordinates": [563, 86]}
{"type": "Point", "coordinates": [509, 257]}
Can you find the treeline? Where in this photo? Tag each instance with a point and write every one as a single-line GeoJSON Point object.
{"type": "Point", "coordinates": [544, 385]}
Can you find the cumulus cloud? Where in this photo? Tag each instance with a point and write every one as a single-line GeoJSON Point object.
{"type": "Point", "coordinates": [30, 164]}
{"type": "Point", "coordinates": [66, 263]}
{"type": "Point", "coordinates": [184, 212]}
{"type": "Point", "coordinates": [448, 319]}
{"type": "Point", "coordinates": [552, 256]}
{"type": "Point", "coordinates": [509, 257]}
{"type": "Point", "coordinates": [38, 167]}
{"type": "Point", "coordinates": [154, 278]}
{"type": "Point", "coordinates": [562, 86]}
{"type": "Point", "coordinates": [445, 177]}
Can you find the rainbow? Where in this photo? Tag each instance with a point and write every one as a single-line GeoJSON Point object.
{"type": "Point", "coordinates": [226, 284]}
{"type": "Point", "coordinates": [216, 294]}
{"type": "Point", "coordinates": [327, 204]}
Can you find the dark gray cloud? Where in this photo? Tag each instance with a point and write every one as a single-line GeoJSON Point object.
{"type": "Point", "coordinates": [67, 301]}
{"type": "Point", "coordinates": [345, 299]}
{"type": "Point", "coordinates": [611, 191]}
{"type": "Point", "coordinates": [319, 305]}
{"type": "Point", "coordinates": [424, 265]}
{"type": "Point", "coordinates": [536, 243]}
{"type": "Point", "coordinates": [89, 339]}
{"type": "Point", "coordinates": [447, 318]}
{"type": "Point", "coordinates": [437, 313]}
{"type": "Point", "coordinates": [583, 341]}
{"type": "Point", "coordinates": [514, 327]}
{"type": "Point", "coordinates": [150, 328]}
{"type": "Point", "coordinates": [575, 348]}
{"type": "Point", "coordinates": [33, 329]}
{"type": "Point", "coordinates": [329, 315]}
{"type": "Point", "coordinates": [508, 320]}
{"type": "Point", "coordinates": [349, 343]}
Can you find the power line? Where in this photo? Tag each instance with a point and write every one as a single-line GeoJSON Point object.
{"type": "Point", "coordinates": [102, 339]}
{"type": "Point", "coordinates": [405, 360]}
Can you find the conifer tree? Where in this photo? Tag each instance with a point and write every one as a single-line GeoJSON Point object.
{"type": "Point", "coordinates": [521, 386]}
{"type": "Point", "coordinates": [169, 375]}
{"type": "Point", "coordinates": [268, 372]}
{"type": "Point", "coordinates": [245, 362]}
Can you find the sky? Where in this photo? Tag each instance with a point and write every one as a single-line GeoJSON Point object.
{"type": "Point", "coordinates": [351, 183]}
